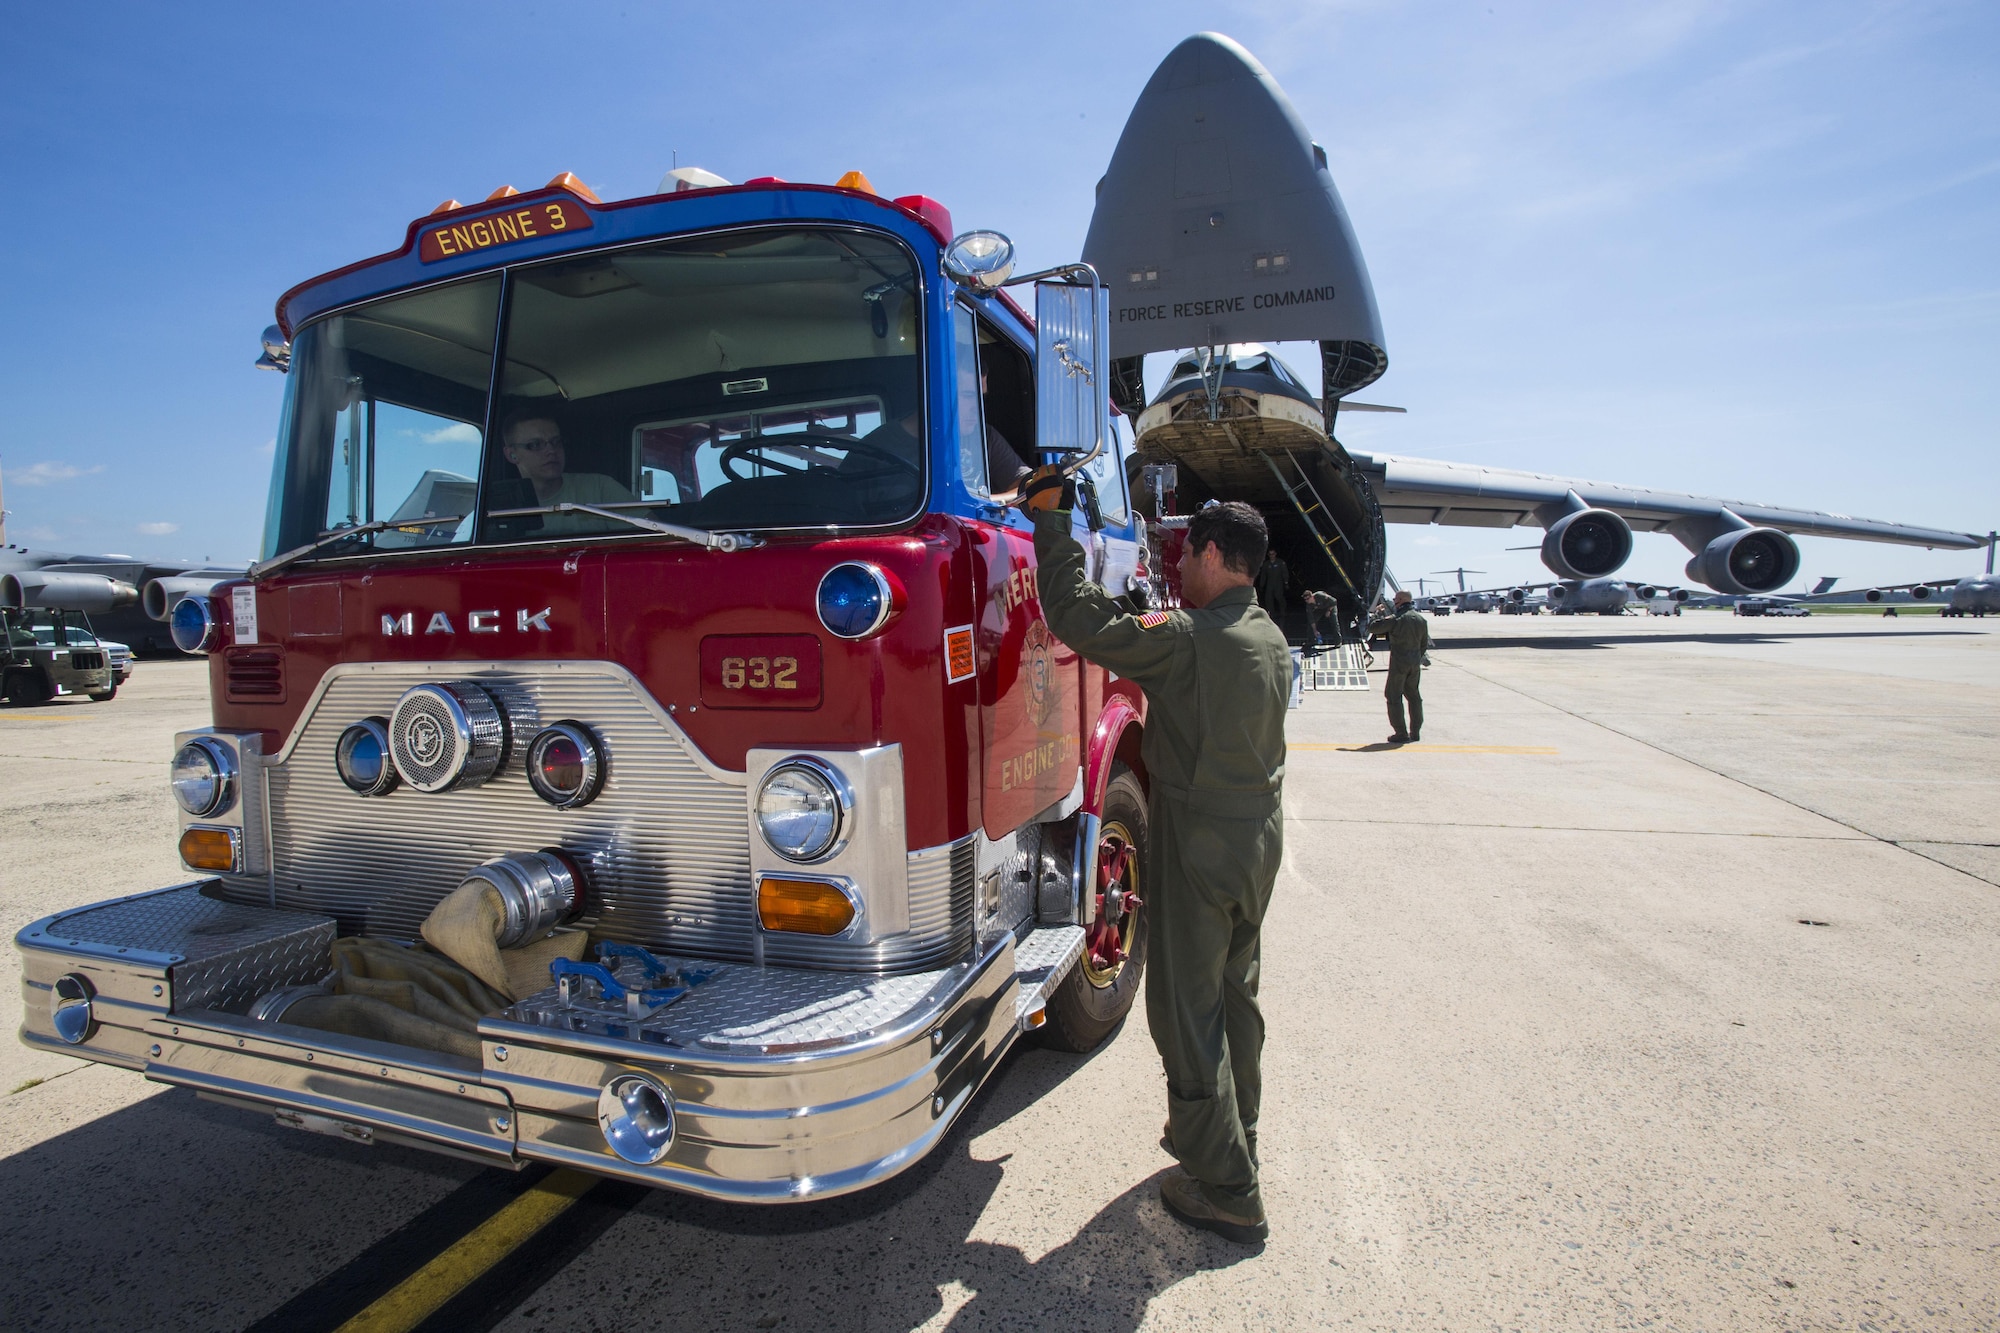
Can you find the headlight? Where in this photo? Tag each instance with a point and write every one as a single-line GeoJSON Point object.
{"type": "Point", "coordinates": [565, 764]}
{"type": "Point", "coordinates": [361, 757]}
{"type": "Point", "coordinates": [204, 778]}
{"type": "Point", "coordinates": [855, 600]}
{"type": "Point", "coordinates": [191, 625]}
{"type": "Point", "coordinates": [802, 810]}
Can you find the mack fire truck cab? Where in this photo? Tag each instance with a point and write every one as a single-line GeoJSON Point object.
{"type": "Point", "coordinates": [648, 562]}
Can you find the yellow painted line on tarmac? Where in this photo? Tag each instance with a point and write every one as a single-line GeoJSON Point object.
{"type": "Point", "coordinates": [1420, 748]}
{"type": "Point", "coordinates": [421, 1294]}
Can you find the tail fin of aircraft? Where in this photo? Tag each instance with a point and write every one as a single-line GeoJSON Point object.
{"type": "Point", "coordinates": [1824, 585]}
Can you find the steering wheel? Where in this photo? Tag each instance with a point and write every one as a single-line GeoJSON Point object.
{"type": "Point", "coordinates": [753, 449]}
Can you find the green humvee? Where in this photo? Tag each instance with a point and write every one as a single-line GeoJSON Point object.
{"type": "Point", "coordinates": [52, 653]}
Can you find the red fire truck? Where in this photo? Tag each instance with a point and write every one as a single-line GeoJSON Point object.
{"type": "Point", "coordinates": [642, 561]}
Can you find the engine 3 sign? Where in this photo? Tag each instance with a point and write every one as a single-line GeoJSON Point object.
{"type": "Point", "coordinates": [529, 222]}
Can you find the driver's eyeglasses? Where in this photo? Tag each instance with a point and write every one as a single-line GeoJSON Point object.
{"type": "Point", "coordinates": [538, 446]}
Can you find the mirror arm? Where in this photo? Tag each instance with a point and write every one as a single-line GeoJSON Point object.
{"type": "Point", "coordinates": [1079, 273]}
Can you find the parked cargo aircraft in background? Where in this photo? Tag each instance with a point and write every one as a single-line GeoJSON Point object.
{"type": "Point", "coordinates": [127, 599]}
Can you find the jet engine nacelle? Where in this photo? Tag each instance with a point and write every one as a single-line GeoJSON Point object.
{"type": "Point", "coordinates": [1517, 595]}
{"type": "Point", "coordinates": [61, 591]}
{"type": "Point", "coordinates": [1921, 592]}
{"type": "Point", "coordinates": [1746, 562]}
{"type": "Point", "coordinates": [1645, 592]}
{"type": "Point", "coordinates": [159, 596]}
{"type": "Point", "coordinates": [1587, 544]}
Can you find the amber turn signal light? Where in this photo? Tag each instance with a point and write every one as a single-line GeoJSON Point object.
{"type": "Point", "coordinates": [209, 849]}
{"type": "Point", "coordinates": [803, 906]}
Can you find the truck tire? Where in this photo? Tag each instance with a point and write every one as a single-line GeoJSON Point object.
{"type": "Point", "coordinates": [27, 688]}
{"type": "Point", "coordinates": [106, 695]}
{"type": "Point", "coordinates": [1098, 992]}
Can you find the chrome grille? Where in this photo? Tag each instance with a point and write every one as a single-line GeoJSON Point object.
{"type": "Point", "coordinates": [665, 845]}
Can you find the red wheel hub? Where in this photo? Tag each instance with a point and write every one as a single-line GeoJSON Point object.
{"type": "Point", "coordinates": [1105, 936]}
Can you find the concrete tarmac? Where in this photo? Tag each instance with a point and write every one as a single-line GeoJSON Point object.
{"type": "Point", "coordinates": [1655, 988]}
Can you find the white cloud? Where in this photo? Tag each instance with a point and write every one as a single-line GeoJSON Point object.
{"type": "Point", "coordinates": [458, 432]}
{"type": "Point", "coordinates": [43, 474]}
{"type": "Point", "coordinates": [159, 529]}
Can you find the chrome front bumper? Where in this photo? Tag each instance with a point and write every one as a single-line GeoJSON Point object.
{"type": "Point", "coordinates": [787, 1083]}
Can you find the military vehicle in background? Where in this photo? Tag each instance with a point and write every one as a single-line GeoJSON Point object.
{"type": "Point", "coordinates": [50, 655]}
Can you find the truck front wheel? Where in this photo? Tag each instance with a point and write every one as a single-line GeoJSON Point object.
{"type": "Point", "coordinates": [1098, 992]}
{"type": "Point", "coordinates": [28, 688]}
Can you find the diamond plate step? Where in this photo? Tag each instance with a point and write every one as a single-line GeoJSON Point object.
{"type": "Point", "coordinates": [1041, 961]}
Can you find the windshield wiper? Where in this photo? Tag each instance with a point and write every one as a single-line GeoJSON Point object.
{"type": "Point", "coordinates": [265, 568]}
{"type": "Point", "coordinates": [715, 541]}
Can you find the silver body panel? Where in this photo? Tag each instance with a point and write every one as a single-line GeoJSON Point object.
{"type": "Point", "coordinates": [666, 845]}
{"type": "Point", "coordinates": [789, 1083]}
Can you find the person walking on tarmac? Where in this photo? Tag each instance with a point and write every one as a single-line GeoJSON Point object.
{"type": "Point", "coordinates": [1409, 642]}
{"type": "Point", "coordinates": [1217, 676]}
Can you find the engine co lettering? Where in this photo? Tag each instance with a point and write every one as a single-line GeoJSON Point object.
{"type": "Point", "coordinates": [478, 622]}
{"type": "Point", "coordinates": [530, 223]}
{"type": "Point", "coordinates": [1022, 770]}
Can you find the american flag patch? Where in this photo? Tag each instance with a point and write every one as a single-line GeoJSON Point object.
{"type": "Point", "coordinates": [1153, 620]}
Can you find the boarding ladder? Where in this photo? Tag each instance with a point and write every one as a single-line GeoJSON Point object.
{"type": "Point", "coordinates": [1319, 521]}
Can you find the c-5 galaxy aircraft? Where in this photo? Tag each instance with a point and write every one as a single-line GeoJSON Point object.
{"type": "Point", "coordinates": [1217, 223]}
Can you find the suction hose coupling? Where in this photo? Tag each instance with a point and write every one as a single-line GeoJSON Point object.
{"type": "Point", "coordinates": [538, 892]}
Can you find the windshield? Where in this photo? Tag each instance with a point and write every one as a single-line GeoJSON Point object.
{"type": "Point", "coordinates": [763, 379]}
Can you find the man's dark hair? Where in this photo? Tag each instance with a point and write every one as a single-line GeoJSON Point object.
{"type": "Point", "coordinates": [1235, 529]}
{"type": "Point", "coordinates": [527, 412]}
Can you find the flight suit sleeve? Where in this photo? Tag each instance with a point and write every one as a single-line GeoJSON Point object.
{"type": "Point", "coordinates": [1088, 619]}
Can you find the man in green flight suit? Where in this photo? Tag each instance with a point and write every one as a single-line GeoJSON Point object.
{"type": "Point", "coordinates": [1217, 676]}
{"type": "Point", "coordinates": [1409, 640]}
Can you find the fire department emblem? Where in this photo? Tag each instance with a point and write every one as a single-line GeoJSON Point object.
{"type": "Point", "coordinates": [1039, 666]}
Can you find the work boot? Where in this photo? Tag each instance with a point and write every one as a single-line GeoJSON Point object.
{"type": "Point", "coordinates": [1185, 1199]}
{"type": "Point", "coordinates": [1416, 736]}
{"type": "Point", "coordinates": [1399, 739]}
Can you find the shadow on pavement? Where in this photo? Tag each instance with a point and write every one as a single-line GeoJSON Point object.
{"type": "Point", "coordinates": [881, 1259]}
{"type": "Point", "coordinates": [1569, 641]}
{"type": "Point", "coordinates": [179, 1213]}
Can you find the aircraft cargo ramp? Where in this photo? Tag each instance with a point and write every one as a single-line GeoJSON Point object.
{"type": "Point", "coordinates": [1322, 518]}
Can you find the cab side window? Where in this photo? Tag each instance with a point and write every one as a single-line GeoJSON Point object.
{"type": "Point", "coordinates": [1007, 393]}
{"type": "Point", "coordinates": [1107, 473]}
{"type": "Point", "coordinates": [971, 416]}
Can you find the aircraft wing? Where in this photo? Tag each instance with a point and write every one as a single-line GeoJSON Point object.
{"type": "Point", "coordinates": [1429, 490]}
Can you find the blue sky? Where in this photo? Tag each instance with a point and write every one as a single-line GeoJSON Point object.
{"type": "Point", "coordinates": [1737, 248]}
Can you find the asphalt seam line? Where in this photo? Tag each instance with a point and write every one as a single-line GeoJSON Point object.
{"type": "Point", "coordinates": [1728, 777]}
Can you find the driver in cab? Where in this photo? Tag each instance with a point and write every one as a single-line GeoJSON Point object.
{"type": "Point", "coordinates": [532, 442]}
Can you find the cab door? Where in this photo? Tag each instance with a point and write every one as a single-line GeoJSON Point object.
{"type": "Point", "coordinates": [1030, 709]}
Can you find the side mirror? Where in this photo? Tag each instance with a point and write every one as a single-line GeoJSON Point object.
{"type": "Point", "coordinates": [277, 351]}
{"type": "Point", "coordinates": [979, 260]}
{"type": "Point", "coordinates": [1072, 368]}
